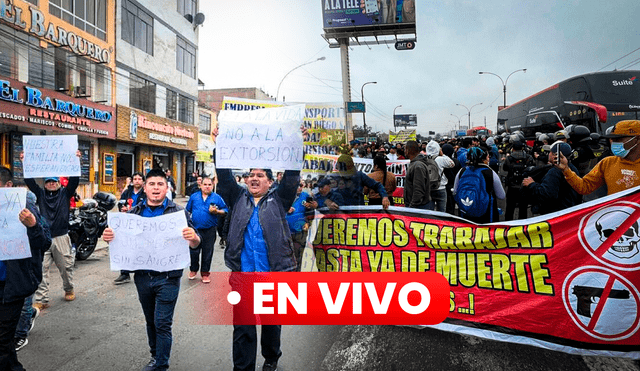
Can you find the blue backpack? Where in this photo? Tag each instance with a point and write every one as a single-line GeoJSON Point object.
{"type": "Point", "coordinates": [471, 195]}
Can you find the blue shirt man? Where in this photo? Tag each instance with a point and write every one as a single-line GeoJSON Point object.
{"type": "Point", "coordinates": [205, 206]}
{"type": "Point", "coordinates": [158, 291]}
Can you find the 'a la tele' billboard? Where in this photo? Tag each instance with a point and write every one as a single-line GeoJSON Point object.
{"type": "Point", "coordinates": [354, 13]}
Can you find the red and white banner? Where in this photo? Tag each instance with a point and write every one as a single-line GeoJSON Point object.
{"type": "Point", "coordinates": [565, 281]}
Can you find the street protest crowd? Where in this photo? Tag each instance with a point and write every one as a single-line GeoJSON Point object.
{"type": "Point", "coordinates": [462, 176]}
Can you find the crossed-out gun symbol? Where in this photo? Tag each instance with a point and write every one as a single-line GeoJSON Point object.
{"type": "Point", "coordinates": [586, 295]}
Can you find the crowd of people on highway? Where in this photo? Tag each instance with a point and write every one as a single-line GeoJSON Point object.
{"type": "Point", "coordinates": [462, 176]}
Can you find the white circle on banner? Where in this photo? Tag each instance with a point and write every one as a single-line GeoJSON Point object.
{"type": "Point", "coordinates": [596, 227]}
{"type": "Point", "coordinates": [610, 318]}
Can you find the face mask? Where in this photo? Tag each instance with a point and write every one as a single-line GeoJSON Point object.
{"type": "Point", "coordinates": [617, 148]}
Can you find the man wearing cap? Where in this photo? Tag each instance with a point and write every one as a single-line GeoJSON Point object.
{"type": "Point", "coordinates": [553, 193]}
{"type": "Point", "coordinates": [620, 171]}
{"type": "Point", "coordinates": [326, 196]}
{"type": "Point", "coordinates": [53, 202]}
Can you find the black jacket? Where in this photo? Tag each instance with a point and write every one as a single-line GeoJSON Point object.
{"type": "Point", "coordinates": [273, 208]}
{"type": "Point", "coordinates": [24, 275]}
{"type": "Point", "coordinates": [171, 208]}
{"type": "Point", "coordinates": [553, 193]}
{"type": "Point", "coordinates": [54, 206]}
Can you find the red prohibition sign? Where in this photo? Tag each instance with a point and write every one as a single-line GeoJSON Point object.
{"type": "Point", "coordinates": [602, 280]}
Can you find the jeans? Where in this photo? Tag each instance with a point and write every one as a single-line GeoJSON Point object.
{"type": "Point", "coordinates": [438, 200]}
{"type": "Point", "coordinates": [26, 316]}
{"type": "Point", "coordinates": [245, 345]}
{"type": "Point", "coordinates": [158, 295]}
{"type": "Point", "coordinates": [206, 247]}
{"type": "Point", "coordinates": [9, 317]}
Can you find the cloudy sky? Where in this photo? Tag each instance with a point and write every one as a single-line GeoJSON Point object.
{"type": "Point", "coordinates": [254, 43]}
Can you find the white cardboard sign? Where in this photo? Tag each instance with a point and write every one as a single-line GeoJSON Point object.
{"type": "Point", "coordinates": [50, 156]}
{"type": "Point", "coordinates": [148, 243]}
{"type": "Point", "coordinates": [268, 138]}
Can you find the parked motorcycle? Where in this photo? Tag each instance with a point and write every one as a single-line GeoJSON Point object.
{"type": "Point", "coordinates": [87, 222]}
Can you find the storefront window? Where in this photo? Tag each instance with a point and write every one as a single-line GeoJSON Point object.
{"type": "Point", "coordinates": [87, 15]}
{"type": "Point", "coordinates": [142, 94]}
{"type": "Point", "coordinates": [172, 104]}
{"type": "Point", "coordinates": [186, 110]}
{"type": "Point", "coordinates": [204, 123]}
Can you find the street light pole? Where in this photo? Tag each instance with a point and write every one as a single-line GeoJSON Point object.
{"type": "Point", "coordinates": [468, 110]}
{"type": "Point", "coordinates": [458, 117]}
{"type": "Point", "coordinates": [504, 83]}
{"type": "Point", "coordinates": [394, 116]}
{"type": "Point", "coordinates": [285, 76]}
{"type": "Point", "coordinates": [364, 114]}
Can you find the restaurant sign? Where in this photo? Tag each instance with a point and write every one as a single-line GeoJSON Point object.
{"type": "Point", "coordinates": [24, 105]}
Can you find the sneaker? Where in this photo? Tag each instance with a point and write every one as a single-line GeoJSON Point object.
{"type": "Point", "coordinates": [269, 366]}
{"type": "Point", "coordinates": [36, 313]}
{"type": "Point", "coordinates": [206, 279]}
{"type": "Point", "coordinates": [40, 306]}
{"type": "Point", "coordinates": [69, 296]}
{"type": "Point", "coordinates": [20, 343]}
{"type": "Point", "coordinates": [151, 365]}
{"type": "Point", "coordinates": [192, 275]}
{"type": "Point", "coordinates": [123, 278]}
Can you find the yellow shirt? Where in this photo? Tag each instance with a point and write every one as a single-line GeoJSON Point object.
{"type": "Point", "coordinates": [617, 173]}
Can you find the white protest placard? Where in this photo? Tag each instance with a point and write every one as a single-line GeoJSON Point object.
{"type": "Point", "coordinates": [50, 156]}
{"type": "Point", "coordinates": [148, 243]}
{"type": "Point", "coordinates": [267, 138]}
{"type": "Point", "coordinates": [14, 243]}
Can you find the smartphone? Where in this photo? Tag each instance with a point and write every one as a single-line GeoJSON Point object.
{"type": "Point", "coordinates": [558, 155]}
{"type": "Point", "coordinates": [370, 6]}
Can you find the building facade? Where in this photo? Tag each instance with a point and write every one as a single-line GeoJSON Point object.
{"type": "Point", "coordinates": [57, 67]}
{"type": "Point", "coordinates": [156, 89]}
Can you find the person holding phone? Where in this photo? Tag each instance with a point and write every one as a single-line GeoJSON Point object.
{"type": "Point", "coordinates": [553, 193]}
{"type": "Point", "coordinates": [619, 172]}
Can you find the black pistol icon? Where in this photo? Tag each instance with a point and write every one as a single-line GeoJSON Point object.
{"type": "Point", "coordinates": [585, 295]}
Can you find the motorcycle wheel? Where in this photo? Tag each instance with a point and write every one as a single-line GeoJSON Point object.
{"type": "Point", "coordinates": [85, 248]}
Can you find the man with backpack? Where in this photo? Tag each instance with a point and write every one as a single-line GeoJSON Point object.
{"type": "Point", "coordinates": [417, 190]}
{"type": "Point", "coordinates": [477, 188]}
{"type": "Point", "coordinates": [514, 165]}
{"type": "Point", "coordinates": [439, 183]}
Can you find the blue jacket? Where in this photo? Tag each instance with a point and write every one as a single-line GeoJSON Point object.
{"type": "Point", "coordinates": [199, 209]}
{"type": "Point", "coordinates": [272, 212]}
{"type": "Point", "coordinates": [296, 219]}
{"type": "Point", "coordinates": [170, 208]}
{"type": "Point", "coordinates": [24, 275]}
{"type": "Point", "coordinates": [462, 156]}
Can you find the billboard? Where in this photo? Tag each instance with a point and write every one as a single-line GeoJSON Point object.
{"type": "Point", "coordinates": [353, 13]}
{"type": "Point", "coordinates": [405, 120]}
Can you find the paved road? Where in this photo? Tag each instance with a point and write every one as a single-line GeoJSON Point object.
{"type": "Point", "coordinates": [104, 329]}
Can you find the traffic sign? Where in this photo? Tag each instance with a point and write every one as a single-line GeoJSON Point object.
{"type": "Point", "coordinates": [356, 107]}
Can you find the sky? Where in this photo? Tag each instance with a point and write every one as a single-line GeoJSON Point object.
{"type": "Point", "coordinates": [255, 43]}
